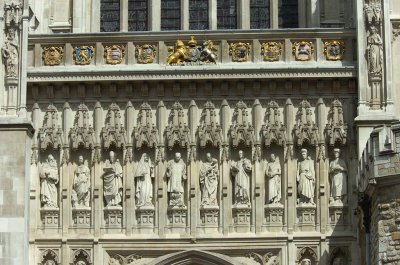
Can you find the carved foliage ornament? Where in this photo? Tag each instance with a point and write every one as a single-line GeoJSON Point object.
{"type": "Point", "coordinates": [209, 131]}
{"type": "Point", "coordinates": [53, 55]}
{"type": "Point", "coordinates": [266, 259]}
{"type": "Point", "coordinates": [83, 55]}
{"type": "Point", "coordinates": [241, 131]}
{"type": "Point", "coordinates": [334, 50]}
{"type": "Point", "coordinates": [273, 131]}
{"type": "Point", "coordinates": [271, 51]}
{"type": "Point", "coordinates": [240, 51]}
{"type": "Point", "coordinates": [49, 257]}
{"type": "Point", "coordinates": [303, 50]}
{"type": "Point", "coordinates": [51, 133]}
{"type": "Point", "coordinates": [114, 54]}
{"type": "Point", "coordinates": [145, 132]}
{"type": "Point", "coordinates": [145, 53]}
{"type": "Point", "coordinates": [192, 54]}
{"type": "Point", "coordinates": [177, 132]}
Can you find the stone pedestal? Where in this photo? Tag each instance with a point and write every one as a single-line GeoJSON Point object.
{"type": "Point", "coordinates": [273, 217]}
{"type": "Point", "coordinates": [241, 218]}
{"type": "Point", "coordinates": [306, 216]}
{"type": "Point", "coordinates": [113, 216]}
{"type": "Point", "coordinates": [177, 217]}
{"type": "Point", "coordinates": [209, 215]}
{"type": "Point", "coordinates": [81, 216]}
{"type": "Point", "coordinates": [50, 217]}
{"type": "Point", "coordinates": [145, 219]}
{"type": "Point", "coordinates": [338, 214]}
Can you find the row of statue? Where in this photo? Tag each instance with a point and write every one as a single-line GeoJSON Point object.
{"type": "Point", "coordinates": [240, 170]}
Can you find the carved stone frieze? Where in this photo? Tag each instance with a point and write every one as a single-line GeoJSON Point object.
{"type": "Point", "coordinates": [273, 130]}
{"type": "Point", "coordinates": [114, 54]}
{"type": "Point", "coordinates": [113, 133]}
{"type": "Point", "coordinates": [50, 134]}
{"type": "Point", "coordinates": [177, 132]}
{"type": "Point", "coordinates": [52, 55]}
{"type": "Point", "coordinates": [305, 130]}
{"type": "Point", "coordinates": [145, 53]}
{"type": "Point", "coordinates": [336, 128]}
{"type": "Point", "coordinates": [82, 133]}
{"type": "Point", "coordinates": [209, 131]}
{"type": "Point", "coordinates": [239, 51]}
{"type": "Point", "coordinates": [271, 51]}
{"type": "Point", "coordinates": [145, 132]}
{"type": "Point", "coordinates": [241, 131]}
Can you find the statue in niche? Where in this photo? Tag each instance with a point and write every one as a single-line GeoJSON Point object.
{"type": "Point", "coordinates": [338, 261]}
{"type": "Point", "coordinates": [305, 262]}
{"type": "Point", "coordinates": [48, 180]}
{"type": "Point", "coordinates": [81, 185]}
{"type": "Point", "coordinates": [10, 54]}
{"type": "Point", "coordinates": [209, 181]}
{"type": "Point", "coordinates": [273, 172]}
{"type": "Point", "coordinates": [112, 181]}
{"type": "Point", "coordinates": [144, 187]}
{"type": "Point", "coordinates": [338, 177]}
{"type": "Point", "coordinates": [305, 178]}
{"type": "Point", "coordinates": [176, 175]}
{"type": "Point", "coordinates": [241, 171]}
{"type": "Point", "coordinates": [374, 51]}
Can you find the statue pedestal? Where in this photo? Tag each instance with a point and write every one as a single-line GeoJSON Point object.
{"type": "Point", "coordinates": [209, 215]}
{"type": "Point", "coordinates": [113, 216]}
{"type": "Point", "coordinates": [176, 220]}
{"type": "Point", "coordinates": [273, 217]}
{"type": "Point", "coordinates": [306, 216]}
{"type": "Point", "coordinates": [241, 218]}
{"type": "Point", "coordinates": [145, 219]}
{"type": "Point", "coordinates": [338, 214]}
{"type": "Point", "coordinates": [50, 217]}
{"type": "Point", "coordinates": [81, 216]}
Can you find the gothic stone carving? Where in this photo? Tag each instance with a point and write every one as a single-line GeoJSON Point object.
{"type": "Point", "coordinates": [121, 260]}
{"type": "Point", "coordinates": [305, 129]}
{"type": "Point", "coordinates": [52, 55]}
{"type": "Point", "coordinates": [307, 256]}
{"type": "Point", "coordinates": [82, 133]}
{"type": "Point", "coordinates": [81, 257]}
{"type": "Point", "coordinates": [209, 178]}
{"type": "Point", "coordinates": [334, 50]}
{"type": "Point", "coordinates": [241, 172]}
{"type": "Point", "coordinates": [339, 256]}
{"type": "Point", "coordinates": [374, 51]}
{"type": "Point", "coordinates": [114, 131]}
{"type": "Point", "coordinates": [81, 185]}
{"type": "Point", "coordinates": [176, 175]}
{"type": "Point", "coordinates": [83, 55]}
{"type": "Point", "coordinates": [177, 132]}
{"type": "Point", "coordinates": [305, 179]}
{"type": "Point", "coordinates": [241, 131]}
{"type": "Point", "coordinates": [336, 128]}
{"type": "Point", "coordinates": [273, 131]}
{"type": "Point", "coordinates": [145, 132]}
{"type": "Point", "coordinates": [273, 173]}
{"type": "Point", "coordinates": [112, 181]}
{"type": "Point", "coordinates": [271, 51]}
{"type": "Point", "coordinates": [144, 186]}
{"type": "Point", "coordinates": [49, 179]}
{"type": "Point", "coordinates": [114, 54]}
{"type": "Point", "coordinates": [338, 178]}
{"type": "Point", "coordinates": [10, 52]}
{"type": "Point", "coordinates": [145, 53]}
{"type": "Point", "coordinates": [192, 54]}
{"type": "Point", "coordinates": [265, 259]}
{"type": "Point", "coordinates": [49, 257]}
{"type": "Point", "coordinates": [50, 134]}
{"type": "Point", "coordinates": [240, 51]}
{"type": "Point", "coordinates": [209, 131]}
{"type": "Point", "coordinates": [303, 50]}
{"type": "Point", "coordinates": [13, 13]}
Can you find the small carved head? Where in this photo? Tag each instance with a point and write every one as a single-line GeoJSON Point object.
{"type": "Point", "coordinates": [336, 153]}
{"type": "Point", "coordinates": [177, 157]}
{"type": "Point", "coordinates": [145, 157]}
{"type": "Point", "coordinates": [112, 157]}
{"type": "Point", "coordinates": [241, 154]}
{"type": "Point", "coordinates": [305, 262]}
{"type": "Point", "coordinates": [304, 153]}
{"type": "Point", "coordinates": [209, 157]}
{"type": "Point", "coordinates": [273, 157]}
{"type": "Point", "coordinates": [80, 160]}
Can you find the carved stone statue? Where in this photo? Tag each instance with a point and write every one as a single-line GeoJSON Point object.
{"type": "Point", "coordinates": [144, 187]}
{"type": "Point", "coordinates": [273, 173]}
{"type": "Point", "coordinates": [305, 178]}
{"type": "Point", "coordinates": [112, 181]}
{"type": "Point", "coordinates": [338, 177]}
{"type": "Point", "coordinates": [374, 51]}
{"type": "Point", "coordinates": [10, 54]}
{"type": "Point", "coordinates": [48, 180]}
{"type": "Point", "coordinates": [176, 175]}
{"type": "Point", "coordinates": [338, 261]}
{"type": "Point", "coordinates": [209, 181]}
{"type": "Point", "coordinates": [305, 262]}
{"type": "Point", "coordinates": [241, 171]}
{"type": "Point", "coordinates": [81, 185]}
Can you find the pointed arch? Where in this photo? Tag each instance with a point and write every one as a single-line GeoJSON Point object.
{"type": "Point", "coordinates": [194, 257]}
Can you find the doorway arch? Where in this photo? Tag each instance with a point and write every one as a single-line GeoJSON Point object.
{"type": "Point", "coordinates": [194, 257]}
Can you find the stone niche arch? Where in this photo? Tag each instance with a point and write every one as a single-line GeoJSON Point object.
{"type": "Point", "coordinates": [194, 257]}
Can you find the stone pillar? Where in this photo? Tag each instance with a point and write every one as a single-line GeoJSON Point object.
{"type": "Point", "coordinates": [274, 14]}
{"type": "Point", "coordinates": [212, 14]}
{"type": "Point", "coordinates": [155, 15]}
{"type": "Point", "coordinates": [244, 14]}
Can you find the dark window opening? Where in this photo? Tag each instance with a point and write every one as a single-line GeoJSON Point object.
{"type": "Point", "coordinates": [138, 15]}
{"type": "Point", "coordinates": [198, 14]}
{"type": "Point", "coordinates": [110, 15]}
{"type": "Point", "coordinates": [226, 14]}
{"type": "Point", "coordinates": [170, 14]}
{"type": "Point", "coordinates": [259, 14]}
{"type": "Point", "coordinates": [288, 14]}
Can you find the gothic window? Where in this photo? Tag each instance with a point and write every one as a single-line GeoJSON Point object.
{"type": "Point", "coordinates": [288, 14]}
{"type": "Point", "coordinates": [109, 15]}
{"type": "Point", "coordinates": [259, 14]}
{"type": "Point", "coordinates": [170, 14]}
{"type": "Point", "coordinates": [138, 15]}
{"type": "Point", "coordinates": [198, 14]}
{"type": "Point", "coordinates": [226, 14]}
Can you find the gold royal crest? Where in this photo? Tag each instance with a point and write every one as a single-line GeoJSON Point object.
{"type": "Point", "coordinates": [145, 53]}
{"type": "Point", "coordinates": [271, 51]}
{"type": "Point", "coordinates": [53, 55]}
{"type": "Point", "coordinates": [83, 55]}
{"type": "Point", "coordinates": [114, 54]}
{"type": "Point", "coordinates": [334, 50]}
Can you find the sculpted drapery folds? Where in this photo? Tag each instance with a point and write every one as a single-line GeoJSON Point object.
{"type": "Point", "coordinates": [241, 171]}
{"type": "Point", "coordinates": [48, 180]}
{"type": "Point", "coordinates": [112, 181]}
{"type": "Point", "coordinates": [209, 181]}
{"type": "Point", "coordinates": [10, 55]}
{"type": "Point", "coordinates": [176, 175]}
{"type": "Point", "coordinates": [273, 173]}
{"type": "Point", "coordinates": [144, 187]}
{"type": "Point", "coordinates": [81, 185]}
{"type": "Point", "coordinates": [375, 51]}
{"type": "Point", "coordinates": [305, 178]}
{"type": "Point", "coordinates": [338, 177]}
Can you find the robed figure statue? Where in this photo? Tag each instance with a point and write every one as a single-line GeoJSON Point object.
{"type": "Point", "coordinates": [273, 173]}
{"type": "Point", "coordinates": [338, 177]}
{"type": "Point", "coordinates": [81, 185]}
{"type": "Point", "coordinates": [305, 179]}
{"type": "Point", "coordinates": [144, 186]}
{"type": "Point", "coordinates": [176, 175]}
{"type": "Point", "coordinates": [48, 180]}
{"type": "Point", "coordinates": [209, 181]}
{"type": "Point", "coordinates": [112, 181]}
{"type": "Point", "coordinates": [241, 171]}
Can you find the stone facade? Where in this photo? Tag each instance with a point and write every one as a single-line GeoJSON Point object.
{"type": "Point", "coordinates": [199, 147]}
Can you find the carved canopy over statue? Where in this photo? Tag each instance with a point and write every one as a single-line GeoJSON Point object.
{"type": "Point", "coordinates": [48, 180]}
{"type": "Point", "coordinates": [241, 171]}
{"type": "Point", "coordinates": [176, 175]}
{"type": "Point", "coordinates": [209, 181]}
{"type": "Point", "coordinates": [112, 181]}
